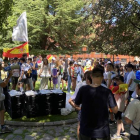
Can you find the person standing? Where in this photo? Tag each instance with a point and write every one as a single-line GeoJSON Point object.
{"type": "Point", "coordinates": [34, 71]}
{"type": "Point", "coordinates": [29, 74]}
{"type": "Point", "coordinates": [60, 70]}
{"type": "Point", "coordinates": [110, 75]}
{"type": "Point", "coordinates": [55, 73]}
{"type": "Point", "coordinates": [132, 114]}
{"type": "Point", "coordinates": [16, 73]}
{"type": "Point", "coordinates": [86, 80]}
{"type": "Point", "coordinates": [23, 79]}
{"type": "Point", "coordinates": [52, 65]}
{"type": "Point", "coordinates": [69, 71]}
{"type": "Point", "coordinates": [95, 99]}
{"type": "Point", "coordinates": [120, 94]}
{"type": "Point", "coordinates": [45, 74]}
{"type": "Point", "coordinates": [74, 76]}
{"type": "Point", "coordinates": [130, 80]}
{"type": "Point", "coordinates": [4, 128]}
{"type": "Point", "coordinates": [79, 73]}
{"type": "Point", "coordinates": [65, 73]}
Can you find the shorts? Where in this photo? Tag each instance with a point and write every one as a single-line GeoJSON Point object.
{"type": "Point", "coordinates": [79, 116]}
{"type": "Point", "coordinates": [118, 115]}
{"type": "Point", "coordinates": [134, 137]}
{"type": "Point", "coordinates": [24, 81]}
{"type": "Point", "coordinates": [2, 107]}
{"type": "Point", "coordinates": [34, 78]}
{"type": "Point", "coordinates": [65, 76]}
{"type": "Point", "coordinates": [14, 80]}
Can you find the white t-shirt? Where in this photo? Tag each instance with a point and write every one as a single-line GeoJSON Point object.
{"type": "Point", "coordinates": [132, 76]}
{"type": "Point", "coordinates": [120, 100]}
{"type": "Point", "coordinates": [25, 67]}
{"type": "Point", "coordinates": [111, 74]}
{"type": "Point", "coordinates": [52, 65]}
{"type": "Point", "coordinates": [105, 76]}
{"type": "Point", "coordinates": [134, 95]}
{"type": "Point", "coordinates": [133, 113]}
{"type": "Point", "coordinates": [15, 71]}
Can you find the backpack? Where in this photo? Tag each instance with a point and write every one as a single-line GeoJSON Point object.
{"type": "Point", "coordinates": [28, 73]}
{"type": "Point", "coordinates": [138, 75]}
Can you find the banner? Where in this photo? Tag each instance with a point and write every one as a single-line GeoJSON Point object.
{"type": "Point", "coordinates": [16, 51]}
{"type": "Point", "coordinates": [20, 32]}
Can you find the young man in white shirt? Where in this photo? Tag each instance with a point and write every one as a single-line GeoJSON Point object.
{"type": "Point", "coordinates": [110, 75]}
{"type": "Point", "coordinates": [130, 80]}
{"type": "Point", "coordinates": [16, 73]}
{"type": "Point", "coordinates": [23, 79]}
{"type": "Point", "coordinates": [52, 65]}
{"type": "Point", "coordinates": [132, 114]}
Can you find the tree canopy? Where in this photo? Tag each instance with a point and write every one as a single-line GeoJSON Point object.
{"type": "Point", "coordinates": [52, 25]}
{"type": "Point", "coordinates": [116, 26]}
{"type": "Point", "coordinates": [109, 26]}
{"type": "Point", "coordinates": [5, 10]}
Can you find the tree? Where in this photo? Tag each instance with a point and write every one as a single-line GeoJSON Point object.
{"type": "Point", "coordinates": [5, 10]}
{"type": "Point", "coordinates": [53, 26]}
{"type": "Point", "coordinates": [116, 25]}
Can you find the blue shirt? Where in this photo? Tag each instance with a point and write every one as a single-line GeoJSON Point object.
{"type": "Point", "coordinates": [34, 72]}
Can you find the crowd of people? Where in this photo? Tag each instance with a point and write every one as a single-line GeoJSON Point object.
{"type": "Point", "coordinates": [103, 91]}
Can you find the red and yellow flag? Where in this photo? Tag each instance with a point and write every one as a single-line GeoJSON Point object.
{"type": "Point", "coordinates": [121, 89]}
{"type": "Point", "coordinates": [49, 57]}
{"type": "Point", "coordinates": [16, 51]}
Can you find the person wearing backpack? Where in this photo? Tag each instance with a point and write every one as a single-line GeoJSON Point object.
{"type": "Point", "coordinates": [132, 114]}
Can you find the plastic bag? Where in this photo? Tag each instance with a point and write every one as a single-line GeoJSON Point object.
{"type": "Point", "coordinates": [68, 109]}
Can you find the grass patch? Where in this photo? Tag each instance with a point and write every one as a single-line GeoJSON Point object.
{"type": "Point", "coordinates": [48, 118]}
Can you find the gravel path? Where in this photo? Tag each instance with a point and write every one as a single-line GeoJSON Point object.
{"type": "Point", "coordinates": [67, 132]}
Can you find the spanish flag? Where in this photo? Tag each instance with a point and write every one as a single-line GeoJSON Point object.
{"type": "Point", "coordinates": [49, 57]}
{"type": "Point", "coordinates": [121, 89]}
{"type": "Point", "coordinates": [16, 51]}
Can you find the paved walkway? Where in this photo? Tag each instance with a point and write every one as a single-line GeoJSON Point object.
{"type": "Point", "coordinates": [67, 132]}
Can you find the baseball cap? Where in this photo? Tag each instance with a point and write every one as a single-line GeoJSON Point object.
{"type": "Point", "coordinates": [137, 81]}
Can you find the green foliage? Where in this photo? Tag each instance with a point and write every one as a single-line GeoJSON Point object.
{"type": "Point", "coordinates": [5, 10]}
{"type": "Point", "coordinates": [65, 26]}
{"type": "Point", "coordinates": [52, 25]}
{"type": "Point", "coordinates": [116, 26]}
